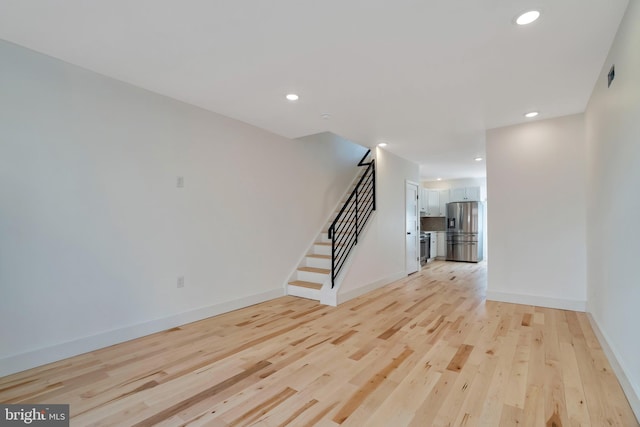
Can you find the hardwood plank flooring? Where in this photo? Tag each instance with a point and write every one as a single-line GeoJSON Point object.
{"type": "Point", "coordinates": [427, 350]}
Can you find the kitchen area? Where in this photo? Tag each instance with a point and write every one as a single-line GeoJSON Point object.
{"type": "Point", "coordinates": [451, 224]}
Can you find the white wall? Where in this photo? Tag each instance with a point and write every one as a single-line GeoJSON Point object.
{"type": "Point", "coordinates": [536, 178]}
{"type": "Point", "coordinates": [379, 257]}
{"type": "Point", "coordinates": [613, 141]}
{"type": "Point", "coordinates": [94, 232]}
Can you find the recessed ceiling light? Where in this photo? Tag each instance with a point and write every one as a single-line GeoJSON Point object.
{"type": "Point", "coordinates": [528, 17]}
{"type": "Point", "coordinates": [292, 97]}
{"type": "Point", "coordinates": [325, 116]}
{"type": "Point", "coordinates": [438, 179]}
{"type": "Point", "coordinates": [531, 114]}
{"type": "Point", "coordinates": [382, 144]}
{"type": "Point", "coordinates": [478, 159]}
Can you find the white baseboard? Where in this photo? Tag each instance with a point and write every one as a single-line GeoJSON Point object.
{"type": "Point", "coordinates": [631, 390]}
{"type": "Point", "coordinates": [563, 304]}
{"type": "Point", "coordinates": [31, 359]}
{"type": "Point", "coordinates": [354, 293]}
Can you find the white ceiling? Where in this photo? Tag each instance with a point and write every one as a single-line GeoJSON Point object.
{"type": "Point", "coordinates": [426, 76]}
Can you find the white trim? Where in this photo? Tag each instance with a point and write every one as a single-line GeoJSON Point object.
{"type": "Point", "coordinates": [563, 304]}
{"type": "Point", "coordinates": [354, 293]}
{"type": "Point", "coordinates": [42, 356]}
{"type": "Point", "coordinates": [632, 391]}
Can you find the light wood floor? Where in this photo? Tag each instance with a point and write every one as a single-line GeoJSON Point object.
{"type": "Point", "coordinates": [424, 351]}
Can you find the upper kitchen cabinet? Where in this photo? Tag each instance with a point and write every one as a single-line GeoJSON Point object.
{"type": "Point", "coordinates": [465, 194]}
{"type": "Point", "coordinates": [430, 202]}
{"type": "Point", "coordinates": [433, 203]}
{"type": "Point", "coordinates": [444, 199]}
{"type": "Point", "coordinates": [423, 201]}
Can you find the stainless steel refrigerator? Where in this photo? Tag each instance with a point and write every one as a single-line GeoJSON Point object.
{"type": "Point", "coordinates": [464, 231]}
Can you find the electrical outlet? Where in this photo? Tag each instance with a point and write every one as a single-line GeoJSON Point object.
{"type": "Point", "coordinates": [180, 182]}
{"type": "Point", "coordinates": [181, 281]}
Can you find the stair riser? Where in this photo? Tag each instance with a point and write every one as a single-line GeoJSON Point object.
{"type": "Point", "coordinates": [297, 291]}
{"type": "Point", "coordinates": [322, 249]}
{"type": "Point", "coordinates": [318, 262]}
{"type": "Point", "coordinates": [309, 276]}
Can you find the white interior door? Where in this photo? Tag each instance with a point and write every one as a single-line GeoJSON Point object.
{"type": "Point", "coordinates": [412, 228]}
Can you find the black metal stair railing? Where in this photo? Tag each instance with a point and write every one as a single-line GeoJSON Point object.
{"type": "Point", "coordinates": [350, 221]}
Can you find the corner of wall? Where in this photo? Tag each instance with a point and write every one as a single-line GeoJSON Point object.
{"type": "Point", "coordinates": [631, 390]}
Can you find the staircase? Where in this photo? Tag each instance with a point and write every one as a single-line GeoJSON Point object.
{"type": "Point", "coordinates": [318, 273]}
{"type": "Point", "coordinates": [310, 278]}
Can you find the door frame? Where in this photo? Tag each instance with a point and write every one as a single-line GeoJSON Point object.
{"type": "Point", "coordinates": [416, 213]}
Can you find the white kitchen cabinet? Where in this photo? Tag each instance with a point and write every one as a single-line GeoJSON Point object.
{"type": "Point", "coordinates": [458, 194]}
{"type": "Point", "coordinates": [441, 237]}
{"type": "Point", "coordinates": [444, 199]}
{"type": "Point", "coordinates": [433, 203]}
{"type": "Point", "coordinates": [473, 194]}
{"type": "Point", "coordinates": [434, 245]}
{"type": "Point", "coordinates": [465, 194]}
{"type": "Point", "coordinates": [430, 202]}
{"type": "Point", "coordinates": [423, 201]}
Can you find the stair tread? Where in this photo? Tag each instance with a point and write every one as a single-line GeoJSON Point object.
{"type": "Point", "coordinates": [303, 284]}
{"type": "Point", "coordinates": [328, 243]}
{"type": "Point", "coordinates": [319, 256]}
{"type": "Point", "coordinates": [315, 270]}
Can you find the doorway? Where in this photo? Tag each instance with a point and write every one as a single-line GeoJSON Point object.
{"type": "Point", "coordinates": [412, 228]}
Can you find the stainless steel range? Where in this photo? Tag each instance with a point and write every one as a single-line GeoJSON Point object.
{"type": "Point", "coordinates": [425, 246]}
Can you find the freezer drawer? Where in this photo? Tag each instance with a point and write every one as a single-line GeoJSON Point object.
{"type": "Point", "coordinates": [462, 237]}
{"type": "Point", "coordinates": [463, 251]}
